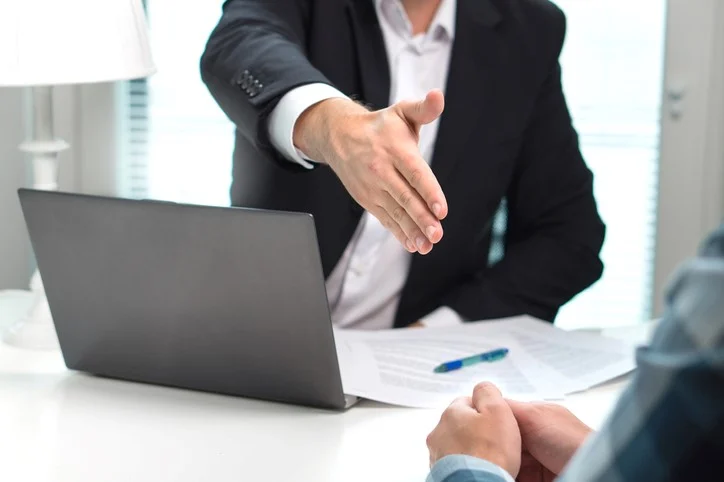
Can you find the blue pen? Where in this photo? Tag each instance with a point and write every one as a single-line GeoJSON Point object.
{"type": "Point", "coordinates": [489, 356]}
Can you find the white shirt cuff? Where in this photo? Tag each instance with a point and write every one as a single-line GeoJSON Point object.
{"type": "Point", "coordinates": [287, 111]}
{"type": "Point", "coordinates": [443, 316]}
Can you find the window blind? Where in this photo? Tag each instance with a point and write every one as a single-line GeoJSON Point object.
{"type": "Point", "coordinates": [177, 144]}
{"type": "Point", "coordinates": [135, 141]}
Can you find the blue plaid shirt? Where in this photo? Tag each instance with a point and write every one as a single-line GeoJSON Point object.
{"type": "Point", "coordinates": [669, 423]}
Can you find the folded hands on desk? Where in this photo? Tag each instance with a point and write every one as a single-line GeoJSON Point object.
{"type": "Point", "coordinates": [531, 441]}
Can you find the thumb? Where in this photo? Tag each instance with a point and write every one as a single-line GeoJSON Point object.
{"type": "Point", "coordinates": [485, 393]}
{"type": "Point", "coordinates": [423, 111]}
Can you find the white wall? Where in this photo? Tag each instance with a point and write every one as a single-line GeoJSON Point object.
{"type": "Point", "coordinates": [97, 138]}
{"type": "Point", "coordinates": [14, 249]}
{"type": "Point", "coordinates": [691, 184]}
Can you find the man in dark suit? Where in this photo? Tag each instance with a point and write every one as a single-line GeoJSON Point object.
{"type": "Point", "coordinates": [308, 84]}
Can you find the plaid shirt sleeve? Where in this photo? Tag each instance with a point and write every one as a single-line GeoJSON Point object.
{"type": "Point", "coordinates": [464, 468]}
{"type": "Point", "coordinates": [669, 423]}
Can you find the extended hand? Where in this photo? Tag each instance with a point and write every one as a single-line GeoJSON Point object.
{"type": "Point", "coordinates": [551, 434]}
{"type": "Point", "coordinates": [482, 427]}
{"type": "Point", "coordinates": [376, 156]}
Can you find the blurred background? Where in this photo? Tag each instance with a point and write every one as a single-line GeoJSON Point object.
{"type": "Point", "coordinates": [645, 84]}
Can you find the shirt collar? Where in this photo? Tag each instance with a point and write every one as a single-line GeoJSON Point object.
{"type": "Point", "coordinates": [444, 20]}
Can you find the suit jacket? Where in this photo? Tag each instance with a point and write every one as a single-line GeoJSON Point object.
{"type": "Point", "coordinates": [505, 133]}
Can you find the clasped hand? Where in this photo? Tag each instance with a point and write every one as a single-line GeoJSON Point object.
{"type": "Point", "coordinates": [533, 442]}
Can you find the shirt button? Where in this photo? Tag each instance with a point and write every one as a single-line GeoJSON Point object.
{"type": "Point", "coordinates": [357, 269]}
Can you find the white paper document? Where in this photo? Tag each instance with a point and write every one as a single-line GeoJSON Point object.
{"type": "Point", "coordinates": [544, 362]}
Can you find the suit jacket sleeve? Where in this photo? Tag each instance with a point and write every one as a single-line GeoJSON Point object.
{"type": "Point", "coordinates": [554, 232]}
{"type": "Point", "coordinates": [254, 56]}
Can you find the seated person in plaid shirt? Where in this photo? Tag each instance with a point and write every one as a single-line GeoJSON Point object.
{"type": "Point", "coordinates": [667, 426]}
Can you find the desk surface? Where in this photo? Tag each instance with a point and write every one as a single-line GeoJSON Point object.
{"type": "Point", "coordinates": [57, 425]}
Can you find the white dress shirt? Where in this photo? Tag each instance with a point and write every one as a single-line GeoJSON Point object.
{"type": "Point", "coordinates": [364, 288]}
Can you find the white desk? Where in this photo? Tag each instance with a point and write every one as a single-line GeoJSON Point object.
{"type": "Point", "coordinates": [57, 425]}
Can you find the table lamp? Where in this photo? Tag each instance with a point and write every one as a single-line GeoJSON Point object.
{"type": "Point", "coordinates": [55, 42]}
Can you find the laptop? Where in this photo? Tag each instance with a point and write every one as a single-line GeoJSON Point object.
{"type": "Point", "coordinates": [224, 300]}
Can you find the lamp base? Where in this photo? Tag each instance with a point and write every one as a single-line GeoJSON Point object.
{"type": "Point", "coordinates": [35, 330]}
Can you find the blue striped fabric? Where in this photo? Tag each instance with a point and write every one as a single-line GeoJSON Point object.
{"type": "Point", "coordinates": [669, 423]}
{"type": "Point", "coordinates": [461, 468]}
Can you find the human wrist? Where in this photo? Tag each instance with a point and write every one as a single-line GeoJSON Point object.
{"type": "Point", "coordinates": [315, 128]}
{"type": "Point", "coordinates": [502, 460]}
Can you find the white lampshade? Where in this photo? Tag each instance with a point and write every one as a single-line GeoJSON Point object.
{"type": "Point", "coordinates": [50, 42]}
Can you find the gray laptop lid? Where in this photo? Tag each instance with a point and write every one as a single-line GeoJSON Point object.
{"type": "Point", "coordinates": [226, 300]}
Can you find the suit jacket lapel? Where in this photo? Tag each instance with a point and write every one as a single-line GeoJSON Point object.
{"type": "Point", "coordinates": [371, 54]}
{"type": "Point", "coordinates": [476, 56]}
